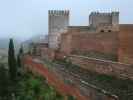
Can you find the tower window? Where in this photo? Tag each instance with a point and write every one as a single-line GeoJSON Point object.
{"type": "Point", "coordinates": [109, 30]}
{"type": "Point", "coordinates": [102, 30]}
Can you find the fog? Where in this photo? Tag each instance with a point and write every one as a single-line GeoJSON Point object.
{"type": "Point", "coordinates": [23, 19]}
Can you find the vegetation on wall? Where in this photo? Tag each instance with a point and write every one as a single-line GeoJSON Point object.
{"type": "Point", "coordinates": [27, 86]}
{"type": "Point", "coordinates": [33, 87]}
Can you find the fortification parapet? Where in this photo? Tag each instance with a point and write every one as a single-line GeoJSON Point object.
{"type": "Point", "coordinates": [58, 12]}
{"type": "Point", "coordinates": [104, 13]}
{"type": "Point", "coordinates": [115, 13]}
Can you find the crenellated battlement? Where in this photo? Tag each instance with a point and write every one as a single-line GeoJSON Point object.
{"type": "Point", "coordinates": [58, 12]}
{"type": "Point", "coordinates": [104, 14]}
{"type": "Point", "coordinates": [102, 20]}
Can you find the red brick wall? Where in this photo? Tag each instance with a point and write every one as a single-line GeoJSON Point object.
{"type": "Point", "coordinates": [63, 88]}
{"type": "Point", "coordinates": [65, 46]}
{"type": "Point", "coordinates": [104, 67]}
{"type": "Point", "coordinates": [84, 42]}
{"type": "Point", "coordinates": [126, 44]}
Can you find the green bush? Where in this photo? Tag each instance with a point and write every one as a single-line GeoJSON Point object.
{"type": "Point", "coordinates": [35, 88]}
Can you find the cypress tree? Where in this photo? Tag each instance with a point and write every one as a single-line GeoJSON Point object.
{"type": "Point", "coordinates": [4, 83]}
{"type": "Point", "coordinates": [21, 50]}
{"type": "Point", "coordinates": [12, 61]}
{"type": "Point", "coordinates": [18, 61]}
{"type": "Point", "coordinates": [19, 56]}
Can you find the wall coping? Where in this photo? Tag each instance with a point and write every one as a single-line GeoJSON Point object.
{"type": "Point", "coordinates": [107, 61]}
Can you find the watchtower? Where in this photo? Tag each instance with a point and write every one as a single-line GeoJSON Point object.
{"type": "Point", "coordinates": [104, 21]}
{"type": "Point", "coordinates": [58, 22]}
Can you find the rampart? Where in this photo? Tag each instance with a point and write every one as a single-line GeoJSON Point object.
{"type": "Point", "coordinates": [84, 41]}
{"type": "Point", "coordinates": [115, 69]}
{"type": "Point", "coordinates": [126, 43]}
{"type": "Point", "coordinates": [73, 89]}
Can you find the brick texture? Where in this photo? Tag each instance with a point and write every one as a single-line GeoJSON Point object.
{"type": "Point", "coordinates": [126, 44]}
{"type": "Point", "coordinates": [65, 89]}
{"type": "Point", "coordinates": [104, 67]}
{"type": "Point", "coordinates": [74, 41]}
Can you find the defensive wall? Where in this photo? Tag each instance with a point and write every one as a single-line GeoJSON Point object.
{"type": "Point", "coordinates": [119, 70]}
{"type": "Point", "coordinates": [82, 40]}
{"type": "Point", "coordinates": [125, 52]}
{"type": "Point", "coordinates": [48, 53]}
{"type": "Point", "coordinates": [64, 88]}
{"type": "Point", "coordinates": [112, 37]}
{"type": "Point", "coordinates": [58, 22]}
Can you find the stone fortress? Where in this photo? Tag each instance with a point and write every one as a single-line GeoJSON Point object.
{"type": "Point", "coordinates": [108, 41]}
{"type": "Point", "coordinates": [103, 34]}
{"type": "Point", "coordinates": [58, 22]}
{"type": "Point", "coordinates": [98, 22]}
{"type": "Point", "coordinates": [104, 21]}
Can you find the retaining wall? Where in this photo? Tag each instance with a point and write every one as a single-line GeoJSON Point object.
{"type": "Point", "coordinates": [63, 88]}
{"type": "Point", "coordinates": [119, 70]}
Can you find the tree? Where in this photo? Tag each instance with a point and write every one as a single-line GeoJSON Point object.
{"type": "Point", "coordinates": [4, 83]}
{"type": "Point", "coordinates": [19, 61]}
{"type": "Point", "coordinates": [19, 56]}
{"type": "Point", "coordinates": [21, 50]}
{"type": "Point", "coordinates": [12, 61]}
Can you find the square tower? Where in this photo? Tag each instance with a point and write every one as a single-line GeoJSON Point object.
{"type": "Point", "coordinates": [104, 21]}
{"type": "Point", "coordinates": [58, 23]}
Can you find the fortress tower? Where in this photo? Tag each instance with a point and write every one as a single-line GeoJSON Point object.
{"type": "Point", "coordinates": [104, 21]}
{"type": "Point", "coordinates": [58, 22]}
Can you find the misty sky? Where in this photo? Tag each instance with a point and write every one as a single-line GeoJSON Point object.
{"type": "Point", "coordinates": [25, 18]}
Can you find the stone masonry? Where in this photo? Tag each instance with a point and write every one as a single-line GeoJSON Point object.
{"type": "Point", "coordinates": [104, 21]}
{"type": "Point", "coordinates": [104, 34]}
{"type": "Point", "coordinates": [58, 22]}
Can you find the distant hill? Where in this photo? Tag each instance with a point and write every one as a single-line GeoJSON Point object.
{"type": "Point", "coordinates": [3, 52]}
{"type": "Point", "coordinates": [4, 42]}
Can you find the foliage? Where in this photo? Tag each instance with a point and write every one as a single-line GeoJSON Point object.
{"type": "Point", "coordinates": [20, 54]}
{"type": "Point", "coordinates": [18, 61]}
{"type": "Point", "coordinates": [35, 88]}
{"type": "Point", "coordinates": [21, 50]}
{"type": "Point", "coordinates": [70, 97]}
{"type": "Point", "coordinates": [12, 61]}
{"type": "Point", "coordinates": [4, 83]}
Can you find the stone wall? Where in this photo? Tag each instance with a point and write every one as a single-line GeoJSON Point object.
{"type": "Point", "coordinates": [58, 22]}
{"type": "Point", "coordinates": [104, 21]}
{"type": "Point", "coordinates": [75, 89]}
{"type": "Point", "coordinates": [47, 53]}
{"type": "Point", "coordinates": [104, 42]}
{"type": "Point", "coordinates": [104, 67]}
{"type": "Point", "coordinates": [126, 44]}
